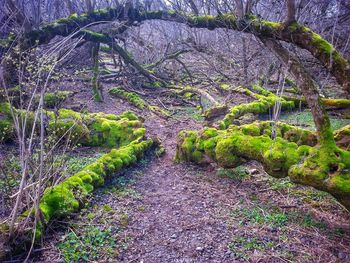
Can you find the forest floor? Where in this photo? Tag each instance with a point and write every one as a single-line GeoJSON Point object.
{"type": "Point", "coordinates": [162, 211]}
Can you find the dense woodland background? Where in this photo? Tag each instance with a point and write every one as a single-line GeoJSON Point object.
{"type": "Point", "coordinates": [178, 113]}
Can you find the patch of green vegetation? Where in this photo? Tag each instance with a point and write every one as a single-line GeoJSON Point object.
{"type": "Point", "coordinates": [10, 171]}
{"type": "Point", "coordinates": [90, 129]}
{"type": "Point", "coordinates": [89, 244]}
{"type": "Point", "coordinates": [107, 208]}
{"type": "Point", "coordinates": [280, 184]}
{"type": "Point", "coordinates": [304, 119]}
{"type": "Point", "coordinates": [75, 163]}
{"type": "Point", "coordinates": [260, 215]}
{"type": "Point", "coordinates": [54, 99]}
{"type": "Point", "coordinates": [237, 173]}
{"type": "Point", "coordinates": [124, 219]}
{"type": "Point", "coordinates": [188, 113]}
{"type": "Point", "coordinates": [307, 220]}
{"type": "Point", "coordinates": [309, 195]}
{"type": "Point", "coordinates": [244, 246]}
{"type": "Point", "coordinates": [225, 87]}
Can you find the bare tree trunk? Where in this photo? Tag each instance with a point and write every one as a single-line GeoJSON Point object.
{"type": "Point", "coordinates": [240, 8]}
{"type": "Point", "coordinates": [245, 61]}
{"type": "Point", "coordinates": [290, 12]}
{"type": "Point", "coordinates": [193, 7]}
{"type": "Point", "coordinates": [70, 6]}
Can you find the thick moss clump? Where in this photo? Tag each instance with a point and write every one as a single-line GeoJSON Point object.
{"type": "Point", "coordinates": [70, 195]}
{"type": "Point", "coordinates": [132, 97]}
{"type": "Point", "coordinates": [278, 129]}
{"type": "Point", "coordinates": [90, 129]}
{"type": "Point", "coordinates": [232, 147]}
{"type": "Point", "coordinates": [265, 100]}
{"type": "Point", "coordinates": [283, 153]}
{"type": "Point", "coordinates": [52, 100]}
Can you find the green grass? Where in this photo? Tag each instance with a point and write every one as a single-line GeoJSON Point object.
{"type": "Point", "coordinates": [244, 246]}
{"type": "Point", "coordinates": [305, 120]}
{"type": "Point", "coordinates": [75, 164]}
{"type": "Point", "coordinates": [260, 216]}
{"type": "Point", "coordinates": [188, 113]}
{"type": "Point", "coordinates": [89, 244]}
{"type": "Point", "coordinates": [280, 183]}
{"type": "Point", "coordinates": [238, 173]}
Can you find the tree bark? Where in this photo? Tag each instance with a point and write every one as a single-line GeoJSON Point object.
{"type": "Point", "coordinates": [290, 12]}
{"type": "Point", "coordinates": [308, 89]}
{"type": "Point", "coordinates": [95, 81]}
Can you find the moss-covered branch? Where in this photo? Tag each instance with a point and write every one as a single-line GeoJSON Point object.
{"type": "Point", "coordinates": [91, 129]}
{"type": "Point", "coordinates": [128, 59]}
{"type": "Point", "coordinates": [325, 168]}
{"type": "Point", "coordinates": [132, 97]}
{"type": "Point", "coordinates": [265, 100]}
{"type": "Point", "coordinates": [69, 196]}
{"type": "Point", "coordinates": [294, 33]}
{"type": "Point", "coordinates": [328, 103]}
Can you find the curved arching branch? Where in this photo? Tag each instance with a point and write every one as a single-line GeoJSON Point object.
{"type": "Point", "coordinates": [299, 35]}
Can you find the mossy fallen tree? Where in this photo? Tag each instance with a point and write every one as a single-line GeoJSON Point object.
{"type": "Point", "coordinates": [264, 101]}
{"type": "Point", "coordinates": [324, 167]}
{"type": "Point", "coordinates": [132, 97]}
{"type": "Point", "coordinates": [69, 196]}
{"type": "Point", "coordinates": [90, 129]}
{"type": "Point", "coordinates": [137, 101]}
{"type": "Point", "coordinates": [294, 33]}
{"type": "Point", "coordinates": [330, 104]}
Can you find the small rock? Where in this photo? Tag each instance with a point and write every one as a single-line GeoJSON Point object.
{"type": "Point", "coordinates": [199, 248]}
{"type": "Point", "coordinates": [342, 255]}
{"type": "Point", "coordinates": [253, 171]}
{"type": "Point", "coordinates": [174, 236]}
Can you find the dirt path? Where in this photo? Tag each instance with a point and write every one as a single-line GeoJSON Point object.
{"type": "Point", "coordinates": [187, 213]}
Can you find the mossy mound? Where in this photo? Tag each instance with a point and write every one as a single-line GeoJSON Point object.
{"type": "Point", "coordinates": [282, 149]}
{"type": "Point", "coordinates": [265, 100]}
{"type": "Point", "coordinates": [90, 129]}
{"type": "Point", "coordinates": [132, 97]}
{"type": "Point", "coordinates": [53, 99]}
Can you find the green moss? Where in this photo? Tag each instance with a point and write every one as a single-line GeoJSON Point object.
{"type": "Point", "coordinates": [225, 87]}
{"type": "Point", "coordinates": [271, 24]}
{"type": "Point", "coordinates": [54, 99]}
{"type": "Point", "coordinates": [132, 97]}
{"type": "Point", "coordinates": [322, 44]}
{"type": "Point", "coordinates": [225, 154]}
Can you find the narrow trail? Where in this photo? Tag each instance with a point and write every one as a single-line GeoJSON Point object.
{"type": "Point", "coordinates": [180, 222]}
